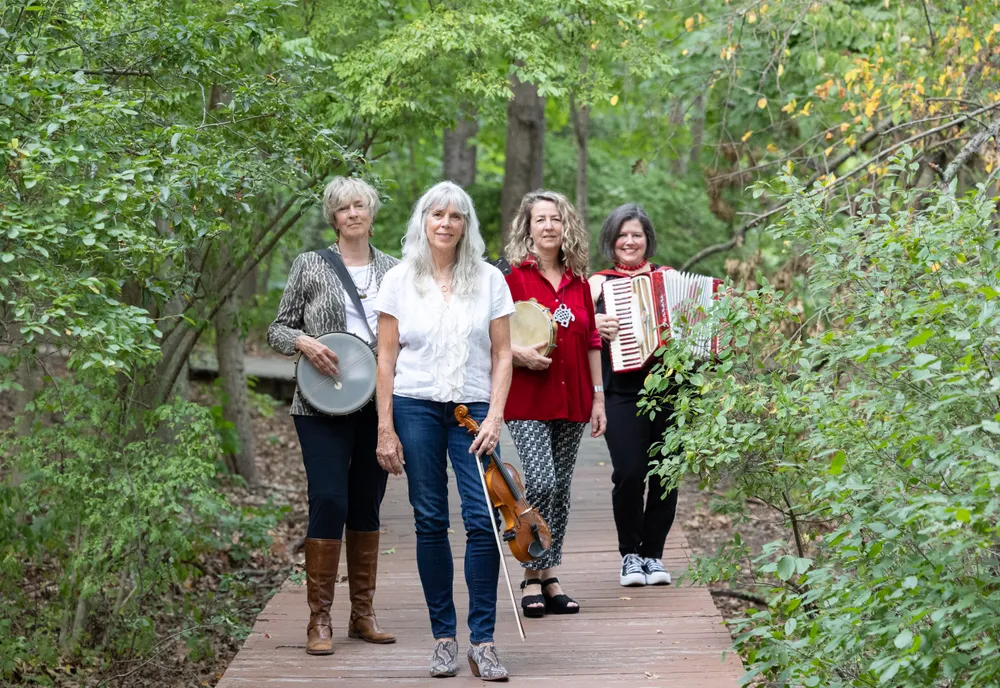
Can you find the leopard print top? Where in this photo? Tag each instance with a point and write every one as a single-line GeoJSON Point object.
{"type": "Point", "coordinates": [313, 304]}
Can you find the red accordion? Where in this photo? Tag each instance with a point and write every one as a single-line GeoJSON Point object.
{"type": "Point", "coordinates": [655, 308]}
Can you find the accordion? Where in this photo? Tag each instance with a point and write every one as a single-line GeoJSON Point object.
{"type": "Point", "coordinates": [656, 308]}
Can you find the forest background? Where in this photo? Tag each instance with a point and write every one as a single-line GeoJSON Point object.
{"type": "Point", "coordinates": [836, 159]}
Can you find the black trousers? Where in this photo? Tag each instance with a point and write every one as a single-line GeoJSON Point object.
{"type": "Point", "coordinates": [643, 518]}
{"type": "Point", "coordinates": [345, 482]}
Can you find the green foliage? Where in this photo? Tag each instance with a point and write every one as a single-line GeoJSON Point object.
{"type": "Point", "coordinates": [871, 428]}
{"type": "Point", "coordinates": [116, 520]}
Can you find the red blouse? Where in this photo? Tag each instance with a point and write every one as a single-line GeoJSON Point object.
{"type": "Point", "coordinates": [565, 390]}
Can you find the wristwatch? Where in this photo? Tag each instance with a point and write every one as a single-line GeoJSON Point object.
{"type": "Point", "coordinates": [598, 388]}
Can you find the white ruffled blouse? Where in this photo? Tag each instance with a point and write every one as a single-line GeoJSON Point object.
{"type": "Point", "coordinates": [444, 346]}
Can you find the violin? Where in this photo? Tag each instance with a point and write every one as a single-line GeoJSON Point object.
{"type": "Point", "coordinates": [525, 531]}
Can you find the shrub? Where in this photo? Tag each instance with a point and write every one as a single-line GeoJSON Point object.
{"type": "Point", "coordinates": [865, 411]}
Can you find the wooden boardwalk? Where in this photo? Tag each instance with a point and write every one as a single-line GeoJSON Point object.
{"type": "Point", "coordinates": [662, 637]}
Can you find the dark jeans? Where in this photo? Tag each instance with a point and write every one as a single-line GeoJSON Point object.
{"type": "Point", "coordinates": [429, 434]}
{"type": "Point", "coordinates": [642, 528]}
{"type": "Point", "coordinates": [345, 482]}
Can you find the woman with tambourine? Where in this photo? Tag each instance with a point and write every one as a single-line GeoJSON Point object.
{"type": "Point", "coordinates": [444, 342]}
{"type": "Point", "coordinates": [345, 481]}
{"type": "Point", "coordinates": [556, 388]}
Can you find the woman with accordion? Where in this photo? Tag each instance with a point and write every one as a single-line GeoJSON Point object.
{"type": "Point", "coordinates": [338, 450]}
{"type": "Point", "coordinates": [642, 518]}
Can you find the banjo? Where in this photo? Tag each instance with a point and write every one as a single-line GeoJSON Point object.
{"type": "Point", "coordinates": [354, 384]}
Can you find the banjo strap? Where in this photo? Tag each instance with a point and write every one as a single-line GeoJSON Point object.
{"type": "Point", "coordinates": [337, 263]}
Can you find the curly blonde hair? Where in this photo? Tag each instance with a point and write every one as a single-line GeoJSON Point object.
{"type": "Point", "coordinates": [574, 253]}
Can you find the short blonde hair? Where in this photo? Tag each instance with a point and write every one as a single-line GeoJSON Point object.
{"type": "Point", "coordinates": [574, 253]}
{"type": "Point", "coordinates": [343, 190]}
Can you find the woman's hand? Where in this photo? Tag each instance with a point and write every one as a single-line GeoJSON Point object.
{"type": "Point", "coordinates": [607, 326]}
{"type": "Point", "coordinates": [530, 357]}
{"type": "Point", "coordinates": [390, 450]}
{"type": "Point", "coordinates": [598, 417]}
{"type": "Point", "coordinates": [318, 354]}
{"type": "Point", "coordinates": [488, 438]}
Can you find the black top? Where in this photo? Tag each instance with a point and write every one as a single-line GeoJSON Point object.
{"type": "Point", "coordinates": [631, 382]}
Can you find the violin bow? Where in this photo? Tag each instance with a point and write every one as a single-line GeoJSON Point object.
{"type": "Point", "coordinates": [496, 532]}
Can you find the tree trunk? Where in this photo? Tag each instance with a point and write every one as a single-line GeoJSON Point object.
{"type": "Point", "coordinates": [697, 132]}
{"type": "Point", "coordinates": [459, 156]}
{"type": "Point", "coordinates": [680, 163]}
{"type": "Point", "coordinates": [230, 351]}
{"type": "Point", "coordinates": [581, 130]}
{"type": "Point", "coordinates": [525, 152]}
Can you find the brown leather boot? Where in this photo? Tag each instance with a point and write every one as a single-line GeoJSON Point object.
{"type": "Point", "coordinates": [322, 561]}
{"type": "Point", "coordinates": [362, 567]}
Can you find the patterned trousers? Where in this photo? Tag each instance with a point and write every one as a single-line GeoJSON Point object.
{"type": "Point", "coordinates": [548, 455]}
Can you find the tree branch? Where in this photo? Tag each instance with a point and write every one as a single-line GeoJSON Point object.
{"type": "Point", "coordinates": [740, 233]}
{"type": "Point", "coordinates": [971, 148]}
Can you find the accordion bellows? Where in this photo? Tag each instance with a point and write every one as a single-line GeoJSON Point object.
{"type": "Point", "coordinates": [656, 308]}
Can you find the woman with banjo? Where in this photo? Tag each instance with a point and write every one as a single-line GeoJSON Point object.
{"type": "Point", "coordinates": [444, 342]}
{"type": "Point", "coordinates": [326, 315]}
{"type": "Point", "coordinates": [556, 388]}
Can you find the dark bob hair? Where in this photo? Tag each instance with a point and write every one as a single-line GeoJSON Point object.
{"type": "Point", "coordinates": [613, 226]}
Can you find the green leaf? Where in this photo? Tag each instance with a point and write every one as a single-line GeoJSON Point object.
{"type": "Point", "coordinates": [786, 567]}
{"type": "Point", "coordinates": [837, 464]}
{"type": "Point", "coordinates": [991, 426]}
{"type": "Point", "coordinates": [904, 639]}
{"type": "Point", "coordinates": [790, 626]}
{"type": "Point", "coordinates": [920, 338]}
{"type": "Point", "coordinates": [963, 515]}
{"type": "Point", "coordinates": [7, 257]}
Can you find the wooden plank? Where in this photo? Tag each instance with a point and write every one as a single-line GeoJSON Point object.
{"type": "Point", "coordinates": [667, 637]}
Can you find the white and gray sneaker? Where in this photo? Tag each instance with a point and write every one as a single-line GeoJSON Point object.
{"type": "Point", "coordinates": [655, 573]}
{"type": "Point", "coordinates": [632, 574]}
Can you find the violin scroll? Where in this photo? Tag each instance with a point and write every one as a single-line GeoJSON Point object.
{"type": "Point", "coordinates": [465, 420]}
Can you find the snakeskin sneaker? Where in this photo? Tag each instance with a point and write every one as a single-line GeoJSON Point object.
{"type": "Point", "coordinates": [444, 661]}
{"type": "Point", "coordinates": [485, 664]}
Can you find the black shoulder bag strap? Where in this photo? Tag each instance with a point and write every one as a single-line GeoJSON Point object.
{"type": "Point", "coordinates": [337, 263]}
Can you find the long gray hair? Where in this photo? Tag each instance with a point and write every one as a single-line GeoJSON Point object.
{"type": "Point", "coordinates": [468, 253]}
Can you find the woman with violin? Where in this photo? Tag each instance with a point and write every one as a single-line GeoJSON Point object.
{"type": "Point", "coordinates": [553, 396]}
{"type": "Point", "coordinates": [444, 341]}
{"type": "Point", "coordinates": [643, 517]}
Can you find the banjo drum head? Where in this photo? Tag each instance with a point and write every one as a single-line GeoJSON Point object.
{"type": "Point", "coordinates": [532, 323]}
{"type": "Point", "coordinates": [346, 392]}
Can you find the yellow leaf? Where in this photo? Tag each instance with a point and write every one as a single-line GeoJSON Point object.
{"type": "Point", "coordinates": [746, 136]}
{"type": "Point", "coordinates": [790, 107]}
{"type": "Point", "coordinates": [844, 127]}
{"type": "Point", "coordinates": [870, 107]}
{"type": "Point", "coordinates": [771, 148]}
{"type": "Point", "coordinates": [976, 45]}
{"type": "Point", "coordinates": [805, 109]}
{"type": "Point", "coordinates": [935, 267]}
{"type": "Point", "coordinates": [781, 69]}
{"type": "Point", "coordinates": [614, 100]}
{"type": "Point", "coordinates": [752, 17]}
{"type": "Point", "coordinates": [762, 103]}
{"type": "Point", "coordinates": [829, 135]}
{"type": "Point", "coordinates": [684, 52]}
{"type": "Point", "coordinates": [827, 151]}
{"type": "Point", "coordinates": [689, 23]}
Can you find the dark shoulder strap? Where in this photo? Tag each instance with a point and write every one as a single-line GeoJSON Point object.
{"type": "Point", "coordinates": [337, 263]}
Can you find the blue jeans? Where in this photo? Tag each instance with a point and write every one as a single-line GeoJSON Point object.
{"type": "Point", "coordinates": [428, 432]}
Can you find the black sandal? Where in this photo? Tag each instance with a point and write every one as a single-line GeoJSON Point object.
{"type": "Point", "coordinates": [558, 604]}
{"type": "Point", "coordinates": [527, 600]}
